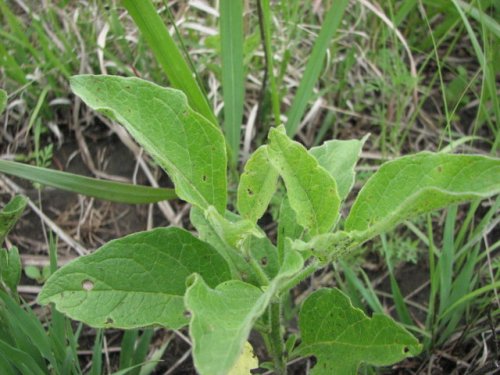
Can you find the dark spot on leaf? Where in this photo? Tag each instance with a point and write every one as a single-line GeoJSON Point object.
{"type": "Point", "coordinates": [109, 321]}
{"type": "Point", "coordinates": [204, 178]}
{"type": "Point", "coordinates": [187, 314]}
{"type": "Point", "coordinates": [87, 285]}
{"type": "Point", "coordinates": [250, 192]}
{"type": "Point", "coordinates": [127, 87]}
{"type": "Point", "coordinates": [263, 261]}
{"type": "Point", "coordinates": [406, 350]}
{"type": "Point", "coordinates": [439, 169]}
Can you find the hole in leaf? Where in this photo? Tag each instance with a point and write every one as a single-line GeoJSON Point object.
{"type": "Point", "coordinates": [109, 321]}
{"type": "Point", "coordinates": [263, 261]}
{"type": "Point", "coordinates": [250, 192]}
{"type": "Point", "coordinates": [187, 314]}
{"type": "Point", "coordinates": [406, 349]}
{"type": "Point", "coordinates": [87, 285]}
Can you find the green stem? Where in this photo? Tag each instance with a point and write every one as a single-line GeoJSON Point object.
{"type": "Point", "coordinates": [276, 339]}
{"type": "Point", "coordinates": [303, 274]}
{"type": "Point", "coordinates": [263, 279]}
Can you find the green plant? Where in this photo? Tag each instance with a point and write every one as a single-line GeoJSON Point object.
{"type": "Point", "coordinates": [28, 346]}
{"type": "Point", "coordinates": [232, 278]}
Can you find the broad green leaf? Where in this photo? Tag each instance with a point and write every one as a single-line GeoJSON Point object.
{"type": "Point", "coordinates": [257, 185]}
{"type": "Point", "coordinates": [341, 336]}
{"type": "Point", "coordinates": [3, 100]}
{"type": "Point", "coordinates": [10, 267]}
{"type": "Point", "coordinates": [134, 281]}
{"type": "Point", "coordinates": [221, 318]}
{"type": "Point", "coordinates": [170, 58]}
{"type": "Point", "coordinates": [247, 361]}
{"type": "Point", "coordinates": [92, 187]}
{"type": "Point", "coordinates": [417, 184]}
{"type": "Point", "coordinates": [190, 148]}
{"type": "Point", "coordinates": [312, 192]}
{"type": "Point", "coordinates": [11, 214]}
{"type": "Point", "coordinates": [260, 248]}
{"type": "Point", "coordinates": [339, 158]}
{"type": "Point", "coordinates": [233, 89]}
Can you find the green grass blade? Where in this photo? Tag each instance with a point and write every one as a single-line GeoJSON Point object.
{"type": "Point", "coordinates": [168, 55]}
{"type": "Point", "coordinates": [481, 17]}
{"type": "Point", "coordinates": [475, 293]}
{"type": "Point", "coordinates": [488, 73]}
{"type": "Point", "coordinates": [447, 258]}
{"type": "Point", "coordinates": [92, 187]}
{"type": "Point", "coordinates": [231, 34]}
{"type": "Point", "coordinates": [399, 302]}
{"type": "Point", "coordinates": [96, 368]}
{"type": "Point", "coordinates": [3, 100]}
{"type": "Point", "coordinates": [265, 20]}
{"type": "Point", "coordinates": [315, 65]}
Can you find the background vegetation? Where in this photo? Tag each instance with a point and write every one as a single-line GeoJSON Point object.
{"type": "Point", "coordinates": [416, 74]}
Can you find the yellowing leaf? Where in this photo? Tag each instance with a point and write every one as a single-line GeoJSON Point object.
{"type": "Point", "coordinates": [247, 361]}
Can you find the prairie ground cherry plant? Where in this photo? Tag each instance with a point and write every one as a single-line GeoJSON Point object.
{"type": "Point", "coordinates": [230, 278]}
{"type": "Point", "coordinates": [239, 277]}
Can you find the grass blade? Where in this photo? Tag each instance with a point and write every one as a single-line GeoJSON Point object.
{"type": "Point", "coordinates": [315, 65]}
{"type": "Point", "coordinates": [168, 55]}
{"type": "Point", "coordinates": [231, 34]}
{"type": "Point", "coordinates": [92, 187]}
{"type": "Point", "coordinates": [265, 24]}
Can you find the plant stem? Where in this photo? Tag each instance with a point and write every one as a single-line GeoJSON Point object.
{"type": "Point", "coordinates": [307, 271]}
{"type": "Point", "coordinates": [276, 338]}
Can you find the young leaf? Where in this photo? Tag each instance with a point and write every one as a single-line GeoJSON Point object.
{"type": "Point", "coordinates": [287, 227]}
{"type": "Point", "coordinates": [3, 100]}
{"type": "Point", "coordinates": [257, 185]}
{"type": "Point", "coordinates": [190, 148]}
{"type": "Point", "coordinates": [418, 184]}
{"type": "Point", "coordinates": [134, 281]}
{"type": "Point", "coordinates": [223, 317]}
{"type": "Point", "coordinates": [240, 269]}
{"type": "Point", "coordinates": [233, 232]}
{"type": "Point", "coordinates": [312, 192]}
{"type": "Point", "coordinates": [327, 247]}
{"type": "Point", "coordinates": [339, 158]}
{"type": "Point", "coordinates": [11, 214]}
{"type": "Point", "coordinates": [260, 248]}
{"type": "Point", "coordinates": [10, 267]}
{"type": "Point", "coordinates": [341, 336]}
